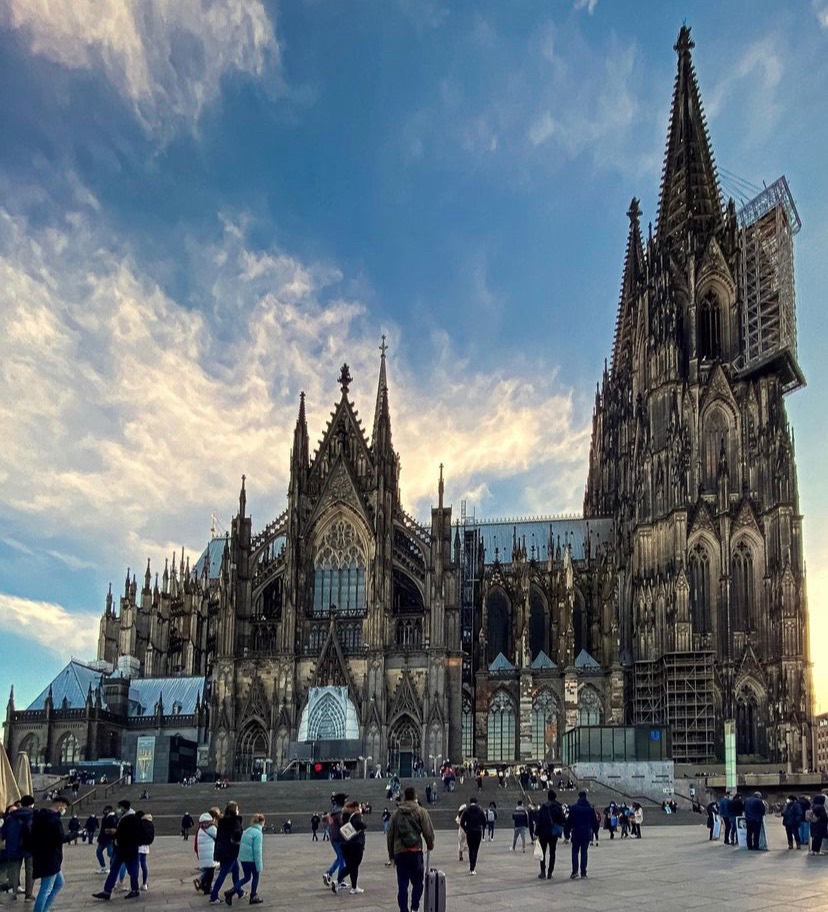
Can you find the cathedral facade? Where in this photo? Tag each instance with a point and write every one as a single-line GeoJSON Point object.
{"type": "Point", "coordinates": [347, 627]}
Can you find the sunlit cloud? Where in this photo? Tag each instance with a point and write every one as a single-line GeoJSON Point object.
{"type": "Point", "coordinates": [166, 59]}
{"type": "Point", "coordinates": [51, 625]}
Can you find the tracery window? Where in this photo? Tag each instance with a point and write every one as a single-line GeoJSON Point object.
{"type": "Point", "coordinates": [498, 626]}
{"type": "Point", "coordinates": [409, 632]}
{"type": "Point", "coordinates": [589, 707]}
{"type": "Point", "coordinates": [467, 729]}
{"type": "Point", "coordinates": [699, 566]}
{"type": "Point", "coordinates": [716, 438]}
{"type": "Point", "coordinates": [339, 571]}
{"type": "Point", "coordinates": [544, 725]}
{"type": "Point", "coordinates": [741, 587]}
{"type": "Point", "coordinates": [501, 728]}
{"type": "Point", "coordinates": [710, 328]}
{"type": "Point", "coordinates": [69, 750]}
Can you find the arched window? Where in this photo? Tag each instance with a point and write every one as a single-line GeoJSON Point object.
{"type": "Point", "coordinates": [467, 728]}
{"type": "Point", "coordinates": [589, 706]}
{"type": "Point", "coordinates": [580, 626]}
{"type": "Point", "coordinates": [544, 726]}
{"type": "Point", "coordinates": [501, 728]}
{"type": "Point", "coordinates": [252, 751]}
{"type": "Point", "coordinates": [700, 590]}
{"type": "Point", "coordinates": [710, 328]}
{"type": "Point", "coordinates": [749, 729]}
{"type": "Point", "coordinates": [716, 438]}
{"type": "Point", "coordinates": [741, 587]}
{"type": "Point", "coordinates": [30, 746]}
{"type": "Point", "coordinates": [537, 622]}
{"type": "Point", "coordinates": [68, 750]}
{"type": "Point", "coordinates": [339, 571]}
{"type": "Point", "coordinates": [326, 720]}
{"type": "Point", "coordinates": [498, 627]}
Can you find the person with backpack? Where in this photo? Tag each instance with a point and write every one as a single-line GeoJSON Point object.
{"type": "Point", "coordinates": [48, 839]}
{"type": "Point", "coordinates": [250, 858]}
{"type": "Point", "coordinates": [226, 852]}
{"type": "Point", "coordinates": [147, 837]}
{"type": "Point", "coordinates": [353, 847]}
{"type": "Point", "coordinates": [17, 831]}
{"type": "Point", "coordinates": [128, 836]}
{"type": "Point", "coordinates": [474, 822]}
{"type": "Point", "coordinates": [203, 846]}
{"type": "Point", "coordinates": [491, 819]}
{"type": "Point", "coordinates": [410, 825]}
{"type": "Point", "coordinates": [550, 828]}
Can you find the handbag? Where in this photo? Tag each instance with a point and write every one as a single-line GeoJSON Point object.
{"type": "Point", "coordinates": [538, 852]}
{"type": "Point", "coordinates": [557, 831]}
{"type": "Point", "coordinates": [347, 831]}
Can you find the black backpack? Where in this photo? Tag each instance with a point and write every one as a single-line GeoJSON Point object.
{"type": "Point", "coordinates": [146, 832]}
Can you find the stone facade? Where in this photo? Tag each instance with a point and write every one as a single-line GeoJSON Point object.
{"type": "Point", "coordinates": [679, 598]}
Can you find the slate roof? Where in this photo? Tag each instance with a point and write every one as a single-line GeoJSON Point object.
{"type": "Point", "coordinates": [501, 663]}
{"type": "Point", "coordinates": [144, 693]}
{"type": "Point", "coordinates": [499, 534]}
{"type": "Point", "coordinates": [585, 660]}
{"type": "Point", "coordinates": [215, 549]}
{"type": "Point", "coordinates": [542, 661]}
{"type": "Point", "coordinates": [73, 683]}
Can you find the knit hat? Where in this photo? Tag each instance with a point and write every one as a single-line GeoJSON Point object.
{"type": "Point", "coordinates": [205, 818]}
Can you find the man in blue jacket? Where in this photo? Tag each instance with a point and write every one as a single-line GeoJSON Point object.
{"type": "Point", "coordinates": [579, 825]}
{"type": "Point", "coordinates": [724, 814]}
{"type": "Point", "coordinates": [754, 814]}
{"type": "Point", "coordinates": [18, 832]}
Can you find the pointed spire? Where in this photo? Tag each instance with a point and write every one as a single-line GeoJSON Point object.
{"type": "Point", "coordinates": [382, 394]}
{"type": "Point", "coordinates": [300, 436]}
{"type": "Point", "coordinates": [440, 488]}
{"type": "Point", "coordinates": [345, 379]}
{"type": "Point", "coordinates": [10, 705]}
{"type": "Point", "coordinates": [147, 577]}
{"type": "Point", "coordinates": [634, 271]}
{"type": "Point", "coordinates": [109, 610]}
{"type": "Point", "coordinates": [690, 194]}
{"type": "Point", "coordinates": [242, 498]}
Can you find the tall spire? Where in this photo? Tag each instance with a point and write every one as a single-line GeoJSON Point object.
{"type": "Point", "coordinates": [634, 270]}
{"type": "Point", "coordinates": [242, 498]}
{"type": "Point", "coordinates": [382, 390]}
{"type": "Point", "coordinates": [300, 436]}
{"type": "Point", "coordinates": [690, 194]}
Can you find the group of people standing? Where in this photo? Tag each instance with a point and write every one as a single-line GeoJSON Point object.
{"type": "Point", "coordinates": [224, 848]}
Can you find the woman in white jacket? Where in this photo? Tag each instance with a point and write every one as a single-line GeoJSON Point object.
{"type": "Point", "coordinates": [204, 845]}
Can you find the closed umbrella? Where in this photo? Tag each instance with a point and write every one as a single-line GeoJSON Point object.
{"type": "Point", "coordinates": [9, 791]}
{"type": "Point", "coordinates": [23, 774]}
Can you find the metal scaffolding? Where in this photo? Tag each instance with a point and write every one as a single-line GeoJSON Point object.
{"type": "Point", "coordinates": [768, 224]}
{"type": "Point", "coordinates": [677, 690]}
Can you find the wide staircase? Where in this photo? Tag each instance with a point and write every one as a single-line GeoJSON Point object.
{"type": "Point", "coordinates": [297, 801]}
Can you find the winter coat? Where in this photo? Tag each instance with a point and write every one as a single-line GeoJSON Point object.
{"type": "Point", "coordinates": [473, 819]}
{"type": "Point", "coordinates": [792, 815]}
{"type": "Point", "coordinates": [205, 844]}
{"type": "Point", "coordinates": [17, 831]}
{"type": "Point", "coordinates": [358, 839]}
{"type": "Point", "coordinates": [819, 817]}
{"type": "Point", "coordinates": [47, 843]}
{"type": "Point", "coordinates": [187, 822]}
{"type": "Point", "coordinates": [581, 818]}
{"type": "Point", "coordinates": [737, 807]}
{"type": "Point", "coordinates": [754, 808]}
{"type": "Point", "coordinates": [109, 822]}
{"type": "Point", "coordinates": [250, 847]}
{"type": "Point", "coordinates": [91, 826]}
{"type": "Point", "coordinates": [421, 820]}
{"type": "Point", "coordinates": [128, 835]}
{"type": "Point", "coordinates": [228, 837]}
{"type": "Point", "coordinates": [520, 818]}
{"type": "Point", "coordinates": [724, 807]}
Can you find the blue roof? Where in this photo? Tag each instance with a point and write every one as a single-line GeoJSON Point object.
{"type": "Point", "coordinates": [542, 661]}
{"type": "Point", "coordinates": [585, 660]}
{"type": "Point", "coordinates": [72, 683]}
{"type": "Point", "coordinates": [501, 663]}
{"type": "Point", "coordinates": [538, 532]}
{"type": "Point", "coordinates": [215, 551]}
{"type": "Point", "coordinates": [144, 693]}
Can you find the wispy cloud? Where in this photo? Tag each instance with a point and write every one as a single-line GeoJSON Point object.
{"type": "Point", "coordinates": [135, 414]}
{"type": "Point", "coordinates": [51, 625]}
{"type": "Point", "coordinates": [588, 5]}
{"type": "Point", "coordinates": [166, 59]}
{"type": "Point", "coordinates": [821, 10]}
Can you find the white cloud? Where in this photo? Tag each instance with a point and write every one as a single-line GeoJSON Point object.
{"type": "Point", "coordinates": [51, 625]}
{"type": "Point", "coordinates": [165, 57]}
{"type": "Point", "coordinates": [821, 10]}
{"type": "Point", "coordinates": [588, 5]}
{"type": "Point", "coordinates": [134, 415]}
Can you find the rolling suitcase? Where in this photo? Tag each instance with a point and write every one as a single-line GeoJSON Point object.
{"type": "Point", "coordinates": [434, 892]}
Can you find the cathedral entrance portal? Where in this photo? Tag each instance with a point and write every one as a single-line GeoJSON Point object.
{"type": "Point", "coordinates": [403, 746]}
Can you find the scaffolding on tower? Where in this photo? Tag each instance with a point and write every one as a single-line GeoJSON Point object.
{"type": "Point", "coordinates": [767, 225]}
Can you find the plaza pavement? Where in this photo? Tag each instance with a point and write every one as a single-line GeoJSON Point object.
{"type": "Point", "coordinates": [668, 869]}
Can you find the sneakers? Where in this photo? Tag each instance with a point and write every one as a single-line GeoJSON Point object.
{"type": "Point", "coordinates": [103, 870]}
{"type": "Point", "coordinates": [216, 902]}
{"type": "Point", "coordinates": [255, 900]}
{"type": "Point", "coordinates": [573, 876]}
{"type": "Point", "coordinates": [355, 890]}
{"type": "Point", "coordinates": [472, 873]}
{"type": "Point", "coordinates": [228, 896]}
{"type": "Point", "coordinates": [583, 876]}
{"type": "Point", "coordinates": [326, 879]}
{"type": "Point", "coordinates": [144, 887]}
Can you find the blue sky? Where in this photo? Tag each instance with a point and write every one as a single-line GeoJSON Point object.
{"type": "Point", "coordinates": [205, 207]}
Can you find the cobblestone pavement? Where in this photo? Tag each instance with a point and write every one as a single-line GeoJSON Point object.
{"type": "Point", "coordinates": [668, 869]}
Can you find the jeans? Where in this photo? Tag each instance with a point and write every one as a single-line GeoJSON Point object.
{"type": "Point", "coordinates": [99, 854]}
{"type": "Point", "coordinates": [49, 889]}
{"type": "Point", "coordinates": [410, 870]}
{"type": "Point", "coordinates": [792, 832]}
{"type": "Point", "coordinates": [227, 867]}
{"type": "Point", "coordinates": [142, 861]}
{"type": "Point", "coordinates": [519, 832]}
{"type": "Point", "coordinates": [251, 875]}
{"type": "Point", "coordinates": [580, 847]}
{"type": "Point", "coordinates": [14, 875]}
{"type": "Point", "coordinates": [339, 862]}
{"type": "Point", "coordinates": [805, 832]}
{"type": "Point", "coordinates": [552, 843]}
{"type": "Point", "coordinates": [130, 863]}
{"type": "Point", "coordinates": [490, 827]}
{"type": "Point", "coordinates": [473, 838]}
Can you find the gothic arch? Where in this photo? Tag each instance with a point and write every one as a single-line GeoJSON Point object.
{"type": "Point", "coordinates": [252, 750]}
{"type": "Point", "coordinates": [498, 624]}
{"type": "Point", "coordinates": [68, 750]}
{"type": "Point", "coordinates": [718, 431]}
{"type": "Point", "coordinates": [744, 590]}
{"type": "Point", "coordinates": [341, 556]}
{"type": "Point", "coordinates": [404, 743]}
{"type": "Point", "coordinates": [546, 713]}
{"type": "Point", "coordinates": [538, 615]}
{"type": "Point", "coordinates": [751, 721]}
{"type": "Point", "coordinates": [30, 746]}
{"type": "Point", "coordinates": [590, 707]}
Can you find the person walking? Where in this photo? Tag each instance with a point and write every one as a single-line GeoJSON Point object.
{"type": "Point", "coordinates": [353, 848]}
{"type": "Point", "coordinates": [204, 844]}
{"type": "Point", "coordinates": [106, 838]}
{"type": "Point", "coordinates": [146, 840]}
{"type": "Point", "coordinates": [410, 825]}
{"type": "Point", "coordinates": [187, 824]}
{"type": "Point", "coordinates": [550, 828]}
{"type": "Point", "coordinates": [474, 823]}
{"type": "Point", "coordinates": [491, 819]}
{"type": "Point", "coordinates": [462, 842]}
{"type": "Point", "coordinates": [250, 858]}
{"type": "Point", "coordinates": [520, 823]}
{"type": "Point", "coordinates": [819, 825]}
{"type": "Point", "coordinates": [315, 821]}
{"type": "Point", "coordinates": [74, 828]}
{"type": "Point", "coordinates": [754, 815]}
{"type": "Point", "coordinates": [47, 851]}
{"type": "Point", "coordinates": [638, 819]}
{"type": "Point", "coordinates": [226, 851]}
{"type": "Point", "coordinates": [91, 827]}
{"type": "Point", "coordinates": [17, 832]}
{"type": "Point", "coordinates": [125, 852]}
{"type": "Point", "coordinates": [333, 821]}
{"type": "Point", "coordinates": [580, 825]}
{"type": "Point", "coordinates": [792, 816]}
